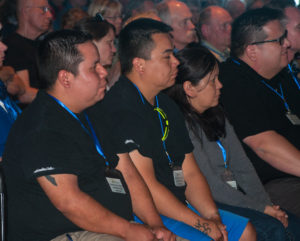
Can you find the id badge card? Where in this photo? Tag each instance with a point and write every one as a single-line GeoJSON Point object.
{"type": "Point", "coordinates": [178, 176]}
{"type": "Point", "coordinates": [294, 119]}
{"type": "Point", "coordinates": [114, 179]}
{"type": "Point", "coordinates": [229, 179]}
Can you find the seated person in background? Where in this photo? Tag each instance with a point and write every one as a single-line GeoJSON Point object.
{"type": "Point", "coordinates": [256, 105]}
{"type": "Point", "coordinates": [218, 152]}
{"type": "Point", "coordinates": [151, 128]}
{"type": "Point", "coordinates": [9, 111]}
{"type": "Point", "coordinates": [214, 27]}
{"type": "Point", "coordinates": [71, 17]}
{"type": "Point", "coordinates": [178, 15]}
{"type": "Point", "coordinates": [34, 19]}
{"type": "Point", "coordinates": [103, 34]}
{"type": "Point", "coordinates": [66, 180]}
{"type": "Point", "coordinates": [111, 11]}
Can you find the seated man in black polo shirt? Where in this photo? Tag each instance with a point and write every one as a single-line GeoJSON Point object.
{"type": "Point", "coordinates": [152, 129]}
{"type": "Point", "coordinates": [258, 106]}
{"type": "Point", "coordinates": [65, 179]}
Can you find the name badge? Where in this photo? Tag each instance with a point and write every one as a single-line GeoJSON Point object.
{"type": "Point", "coordinates": [294, 119]}
{"type": "Point", "coordinates": [114, 180]}
{"type": "Point", "coordinates": [229, 179]}
{"type": "Point", "coordinates": [178, 177]}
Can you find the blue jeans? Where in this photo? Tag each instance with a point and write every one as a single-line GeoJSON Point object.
{"type": "Point", "coordinates": [267, 227]}
{"type": "Point", "coordinates": [235, 226]}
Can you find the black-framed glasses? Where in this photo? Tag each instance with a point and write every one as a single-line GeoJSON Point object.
{"type": "Point", "coordinates": [99, 18]}
{"type": "Point", "coordinates": [280, 40]}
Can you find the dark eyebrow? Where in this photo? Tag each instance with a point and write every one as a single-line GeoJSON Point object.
{"type": "Point", "coordinates": [168, 51]}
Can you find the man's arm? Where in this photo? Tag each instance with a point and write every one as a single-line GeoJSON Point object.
{"type": "Point", "coordinates": [87, 213]}
{"type": "Point", "coordinates": [275, 150]}
{"type": "Point", "coordinates": [30, 92]}
{"type": "Point", "coordinates": [142, 202]}
{"type": "Point", "coordinates": [166, 203]}
{"type": "Point", "coordinates": [198, 193]}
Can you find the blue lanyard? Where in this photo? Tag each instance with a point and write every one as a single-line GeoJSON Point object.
{"type": "Point", "coordinates": [12, 109]}
{"type": "Point", "coordinates": [278, 94]}
{"type": "Point", "coordinates": [92, 133]}
{"type": "Point", "coordinates": [161, 124]}
{"type": "Point", "coordinates": [294, 77]}
{"type": "Point", "coordinates": [223, 153]}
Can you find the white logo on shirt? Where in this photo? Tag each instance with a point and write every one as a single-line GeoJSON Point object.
{"type": "Point", "coordinates": [43, 169]}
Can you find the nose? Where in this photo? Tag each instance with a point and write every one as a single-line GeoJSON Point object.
{"type": "Point", "coordinates": [286, 43]}
{"type": "Point", "coordinates": [175, 61]}
{"type": "Point", "coordinates": [113, 48]}
{"type": "Point", "coordinates": [190, 24]}
{"type": "Point", "coordinates": [218, 84]}
{"type": "Point", "coordinates": [101, 71]}
{"type": "Point", "coordinates": [3, 47]}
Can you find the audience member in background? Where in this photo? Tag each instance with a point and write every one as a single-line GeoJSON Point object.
{"type": "Point", "coordinates": [57, 6]}
{"type": "Point", "coordinates": [136, 7]}
{"type": "Point", "coordinates": [68, 4]}
{"type": "Point", "coordinates": [34, 18]}
{"type": "Point", "coordinates": [214, 27]}
{"type": "Point", "coordinates": [252, 4]}
{"type": "Point", "coordinates": [103, 34]}
{"type": "Point", "coordinates": [65, 179]}
{"type": "Point", "coordinates": [281, 4]}
{"type": "Point", "coordinates": [257, 106]}
{"type": "Point", "coordinates": [111, 10]}
{"type": "Point", "coordinates": [9, 111]}
{"type": "Point", "coordinates": [179, 17]}
{"type": "Point", "coordinates": [8, 17]}
{"type": "Point", "coordinates": [71, 17]}
{"type": "Point", "coordinates": [235, 7]}
{"type": "Point", "coordinates": [152, 130]}
{"type": "Point", "coordinates": [218, 152]}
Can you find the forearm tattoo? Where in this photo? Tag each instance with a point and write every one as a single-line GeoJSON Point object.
{"type": "Point", "coordinates": [51, 180]}
{"type": "Point", "coordinates": [203, 227]}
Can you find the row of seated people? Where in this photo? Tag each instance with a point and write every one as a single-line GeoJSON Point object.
{"type": "Point", "coordinates": [231, 176]}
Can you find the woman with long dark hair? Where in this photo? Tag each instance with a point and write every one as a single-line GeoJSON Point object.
{"type": "Point", "coordinates": [218, 152]}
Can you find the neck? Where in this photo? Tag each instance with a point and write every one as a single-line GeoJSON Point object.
{"type": "Point", "coordinates": [65, 100]}
{"type": "Point", "coordinates": [146, 90]}
{"type": "Point", "coordinates": [27, 32]}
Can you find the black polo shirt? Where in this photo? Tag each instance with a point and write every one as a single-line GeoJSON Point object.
{"type": "Point", "coordinates": [137, 126]}
{"type": "Point", "coordinates": [47, 140]}
{"type": "Point", "coordinates": [253, 108]}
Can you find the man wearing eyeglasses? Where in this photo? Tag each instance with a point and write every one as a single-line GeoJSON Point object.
{"type": "Point", "coordinates": [215, 28]}
{"type": "Point", "coordinates": [257, 106]}
{"type": "Point", "coordinates": [34, 19]}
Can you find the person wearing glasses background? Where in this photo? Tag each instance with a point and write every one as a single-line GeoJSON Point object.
{"type": "Point", "coordinates": [258, 107]}
{"type": "Point", "coordinates": [111, 10]}
{"type": "Point", "coordinates": [34, 19]}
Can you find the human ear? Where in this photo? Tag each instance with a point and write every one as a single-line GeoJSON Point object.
{"type": "Point", "coordinates": [251, 52]}
{"type": "Point", "coordinates": [65, 78]}
{"type": "Point", "coordinates": [189, 89]}
{"type": "Point", "coordinates": [139, 65]}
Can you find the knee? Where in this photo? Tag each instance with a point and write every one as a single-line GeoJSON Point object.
{"type": "Point", "coordinates": [249, 233]}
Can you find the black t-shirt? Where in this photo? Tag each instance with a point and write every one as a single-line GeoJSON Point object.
{"type": "Point", "coordinates": [253, 108]}
{"type": "Point", "coordinates": [136, 125]}
{"type": "Point", "coordinates": [21, 55]}
{"type": "Point", "coordinates": [47, 140]}
{"type": "Point", "coordinates": [290, 89]}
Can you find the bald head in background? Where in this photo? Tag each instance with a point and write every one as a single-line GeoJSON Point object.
{"type": "Point", "coordinates": [179, 17]}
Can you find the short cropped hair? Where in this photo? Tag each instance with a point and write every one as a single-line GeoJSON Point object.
{"type": "Point", "coordinates": [135, 40]}
{"type": "Point", "coordinates": [97, 28]}
{"type": "Point", "coordinates": [204, 18]}
{"type": "Point", "coordinates": [248, 28]}
{"type": "Point", "coordinates": [59, 51]}
{"type": "Point", "coordinates": [163, 12]}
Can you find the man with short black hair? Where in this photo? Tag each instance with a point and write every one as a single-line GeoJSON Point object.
{"type": "Point", "coordinates": [152, 130]}
{"type": "Point", "coordinates": [258, 107]}
{"type": "Point", "coordinates": [65, 179]}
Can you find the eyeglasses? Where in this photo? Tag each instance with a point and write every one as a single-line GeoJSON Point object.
{"type": "Point", "coordinates": [280, 40]}
{"type": "Point", "coordinates": [45, 9]}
